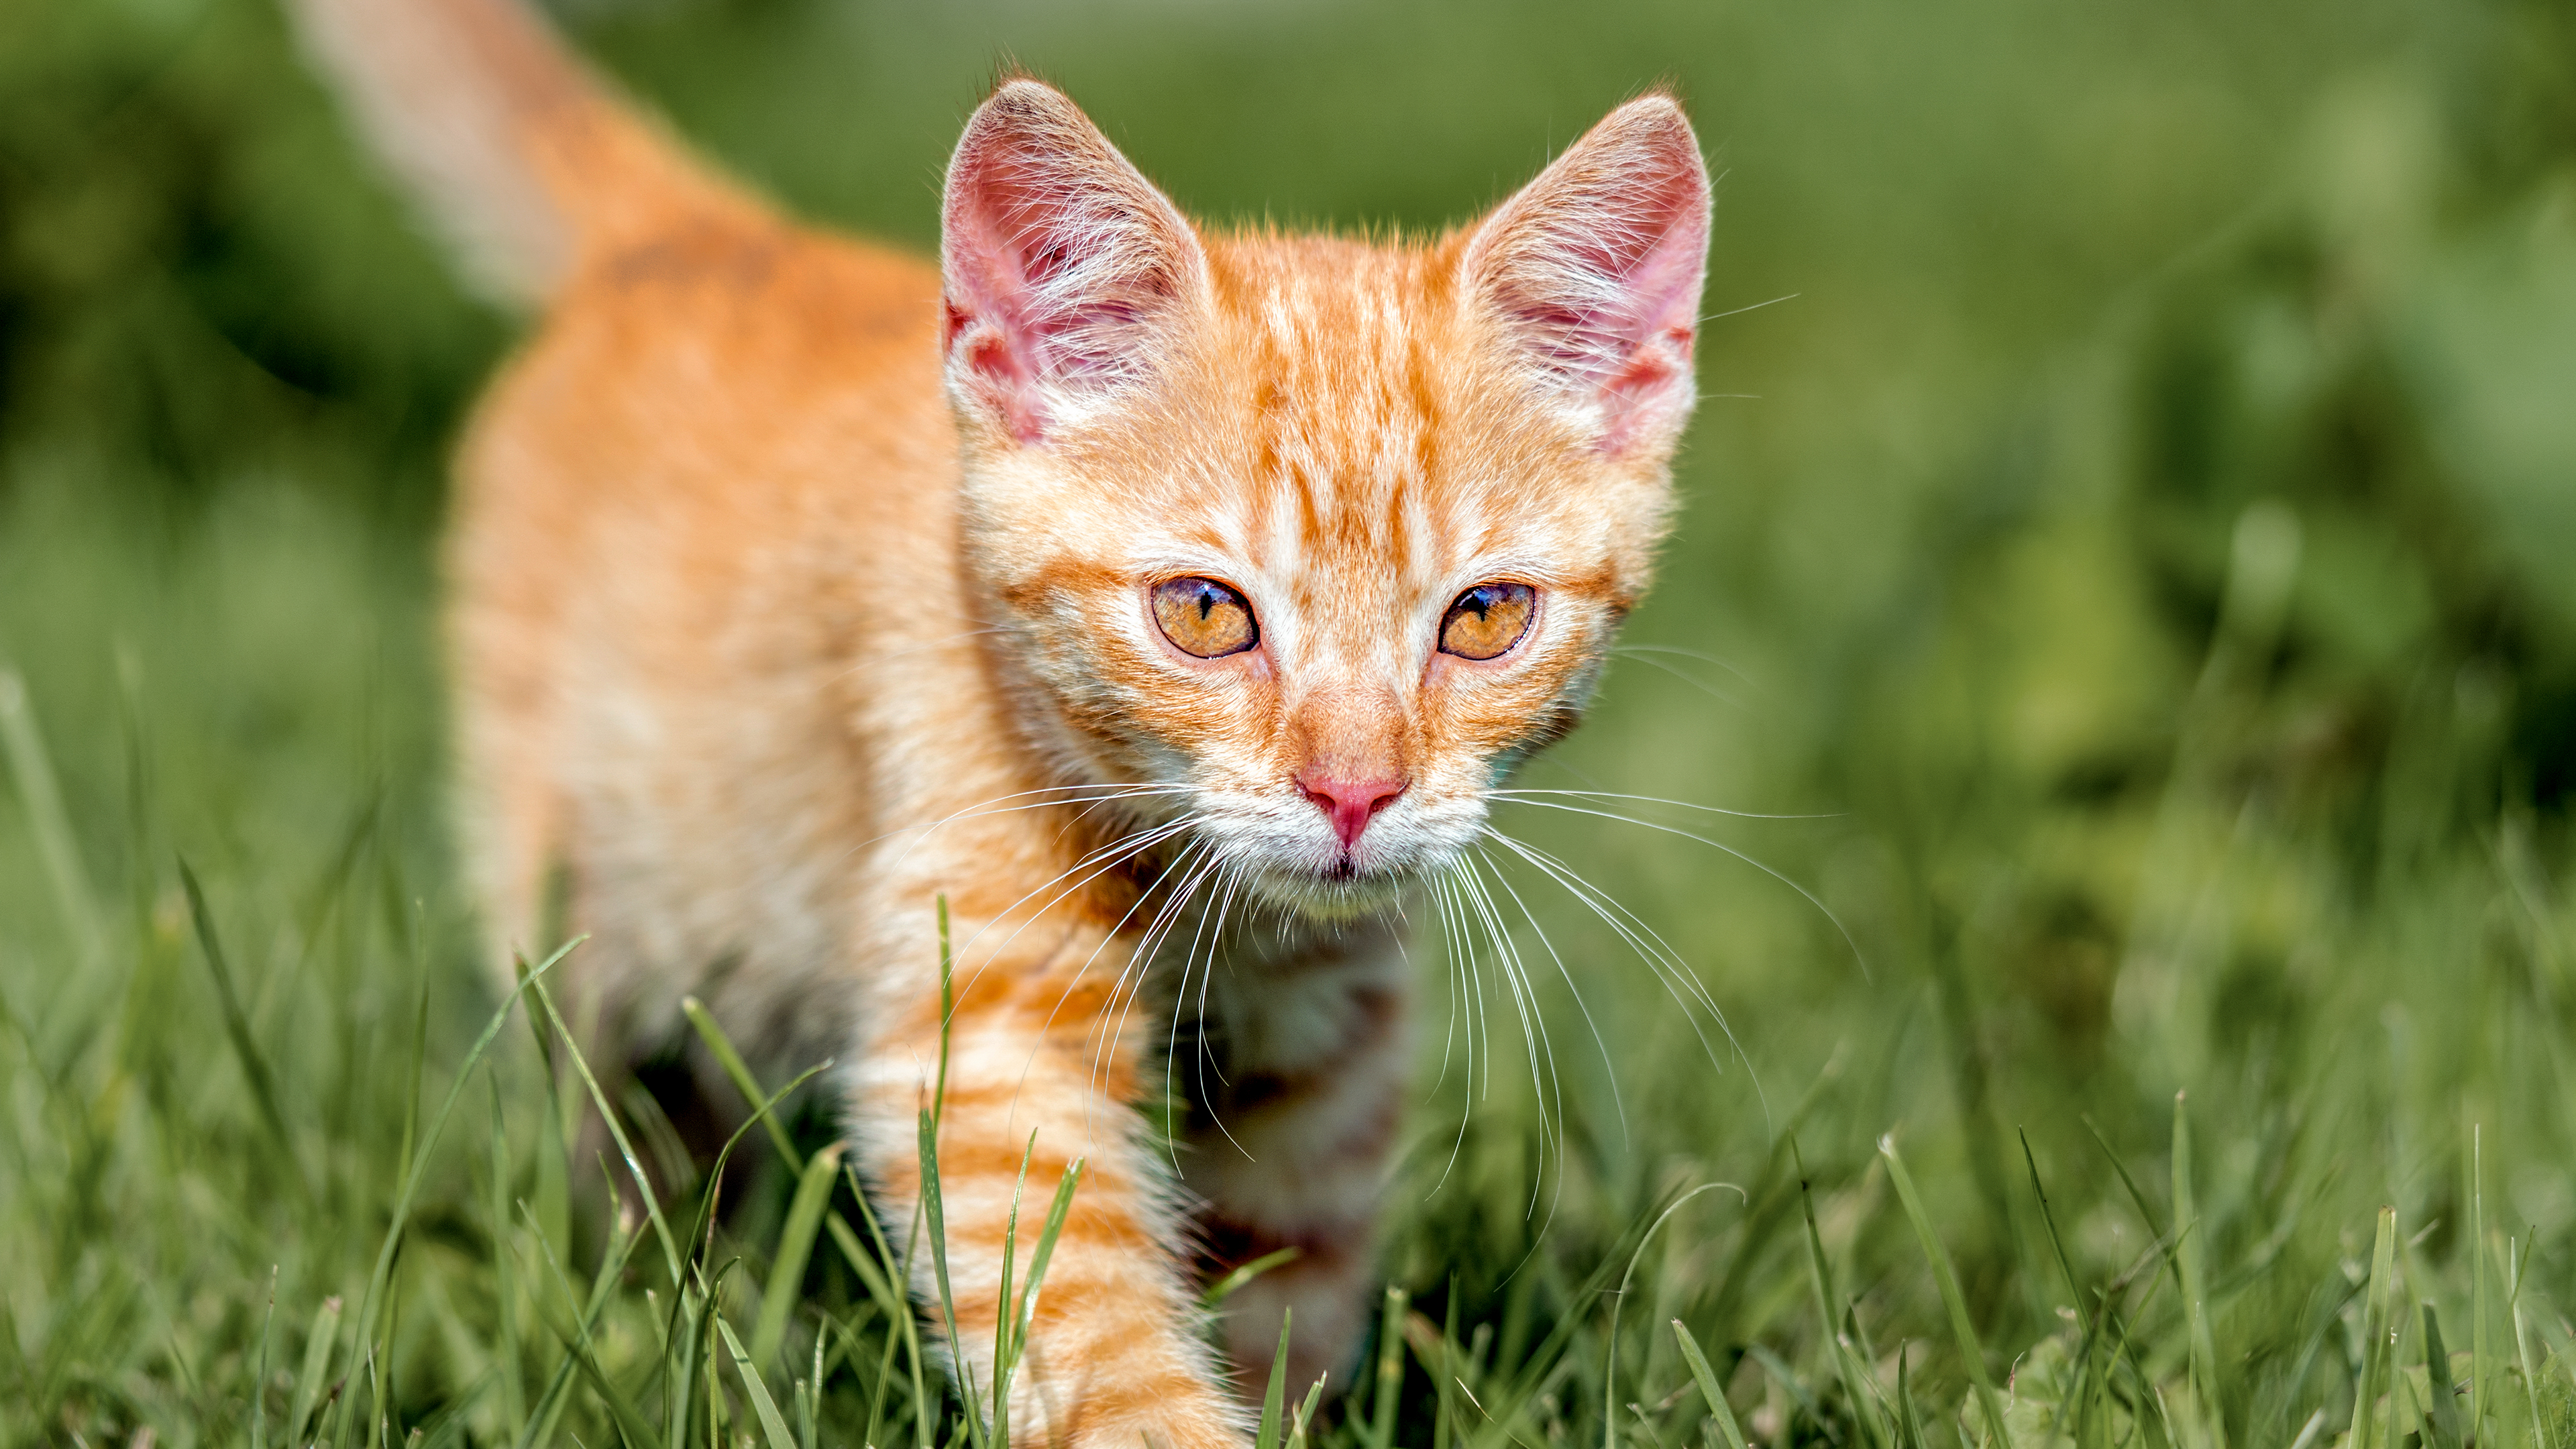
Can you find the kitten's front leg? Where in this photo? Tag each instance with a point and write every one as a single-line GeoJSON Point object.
{"type": "Point", "coordinates": [1296, 1113]}
{"type": "Point", "coordinates": [1036, 1047]}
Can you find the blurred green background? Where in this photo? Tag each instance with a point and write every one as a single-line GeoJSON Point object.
{"type": "Point", "coordinates": [2133, 509]}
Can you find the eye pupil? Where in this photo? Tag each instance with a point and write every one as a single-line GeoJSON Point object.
{"type": "Point", "coordinates": [1488, 620]}
{"type": "Point", "coordinates": [1204, 618]}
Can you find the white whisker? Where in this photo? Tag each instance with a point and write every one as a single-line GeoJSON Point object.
{"type": "Point", "coordinates": [1805, 894]}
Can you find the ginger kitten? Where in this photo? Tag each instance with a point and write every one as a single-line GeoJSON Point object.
{"type": "Point", "coordinates": [1116, 578]}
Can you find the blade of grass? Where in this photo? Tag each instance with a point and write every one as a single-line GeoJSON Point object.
{"type": "Point", "coordinates": [2085, 1341]}
{"type": "Point", "coordinates": [1909, 1423]}
{"type": "Point", "coordinates": [254, 1065]}
{"type": "Point", "coordinates": [2522, 1348]}
{"type": "Point", "coordinates": [1390, 1370]}
{"type": "Point", "coordinates": [505, 1295]}
{"type": "Point", "coordinates": [1610, 1351]}
{"type": "Point", "coordinates": [935, 1217]}
{"type": "Point", "coordinates": [2441, 1415]}
{"type": "Point", "coordinates": [317, 1362]}
{"type": "Point", "coordinates": [671, 1256]}
{"type": "Point", "coordinates": [773, 1426]}
{"type": "Point", "coordinates": [47, 821]}
{"type": "Point", "coordinates": [1948, 1281]}
{"type": "Point", "coordinates": [2375, 1330]}
{"type": "Point", "coordinates": [2190, 1254]}
{"type": "Point", "coordinates": [1051, 1230]}
{"type": "Point", "coordinates": [1305, 1414]}
{"type": "Point", "coordinates": [1223, 1288]}
{"type": "Point", "coordinates": [1272, 1398]}
{"type": "Point", "coordinates": [1002, 1355]}
{"type": "Point", "coordinates": [2481, 1347]}
{"type": "Point", "coordinates": [259, 1382]}
{"type": "Point", "coordinates": [549, 1407]}
{"type": "Point", "coordinates": [1709, 1390]}
{"type": "Point", "coordinates": [533, 980]}
{"type": "Point", "coordinates": [1820, 1279]}
{"type": "Point", "coordinates": [795, 1248]}
{"type": "Point", "coordinates": [735, 1068]}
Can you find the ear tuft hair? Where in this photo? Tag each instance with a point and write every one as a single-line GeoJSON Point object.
{"type": "Point", "coordinates": [1594, 271]}
{"type": "Point", "coordinates": [1064, 266]}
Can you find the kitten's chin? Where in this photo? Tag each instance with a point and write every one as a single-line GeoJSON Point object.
{"type": "Point", "coordinates": [1336, 892]}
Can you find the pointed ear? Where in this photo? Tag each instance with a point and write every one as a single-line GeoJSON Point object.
{"type": "Point", "coordinates": [1594, 272]}
{"type": "Point", "coordinates": [1065, 270]}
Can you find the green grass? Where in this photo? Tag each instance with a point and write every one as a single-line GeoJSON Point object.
{"type": "Point", "coordinates": [2144, 563]}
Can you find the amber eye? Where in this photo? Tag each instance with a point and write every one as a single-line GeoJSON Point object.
{"type": "Point", "coordinates": [1204, 617]}
{"type": "Point", "coordinates": [1488, 620]}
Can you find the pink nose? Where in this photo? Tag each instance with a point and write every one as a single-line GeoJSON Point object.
{"type": "Point", "coordinates": [1350, 804]}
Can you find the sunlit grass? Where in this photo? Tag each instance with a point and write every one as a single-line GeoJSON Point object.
{"type": "Point", "coordinates": [279, 1170]}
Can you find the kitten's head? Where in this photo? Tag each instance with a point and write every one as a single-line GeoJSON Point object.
{"type": "Point", "coordinates": [1321, 535]}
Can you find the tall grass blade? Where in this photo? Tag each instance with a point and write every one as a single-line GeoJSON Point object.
{"type": "Point", "coordinates": [1610, 1351]}
{"type": "Point", "coordinates": [1305, 1415]}
{"type": "Point", "coordinates": [550, 1405]}
{"type": "Point", "coordinates": [2442, 1415]}
{"type": "Point", "coordinates": [773, 1426]}
{"type": "Point", "coordinates": [505, 1294]}
{"type": "Point", "coordinates": [2190, 1254]}
{"type": "Point", "coordinates": [2376, 1333]}
{"type": "Point", "coordinates": [1820, 1280]}
{"type": "Point", "coordinates": [254, 1065]}
{"type": "Point", "coordinates": [259, 1381]}
{"type": "Point", "coordinates": [936, 1217]}
{"type": "Point", "coordinates": [1390, 1370]}
{"type": "Point", "coordinates": [534, 980]}
{"type": "Point", "coordinates": [2481, 1346]}
{"type": "Point", "coordinates": [671, 1256]}
{"type": "Point", "coordinates": [47, 821]}
{"type": "Point", "coordinates": [1225, 1287]}
{"type": "Point", "coordinates": [1048, 1232]}
{"type": "Point", "coordinates": [1709, 1389]}
{"type": "Point", "coordinates": [795, 1248]}
{"type": "Point", "coordinates": [317, 1363]}
{"type": "Point", "coordinates": [2522, 1349]}
{"type": "Point", "coordinates": [1948, 1281]}
{"type": "Point", "coordinates": [740, 1072]}
{"type": "Point", "coordinates": [1274, 1398]}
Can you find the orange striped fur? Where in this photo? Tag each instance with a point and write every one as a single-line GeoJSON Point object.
{"type": "Point", "coordinates": [798, 583]}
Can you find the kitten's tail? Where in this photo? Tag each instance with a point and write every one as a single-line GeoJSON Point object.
{"type": "Point", "coordinates": [522, 159]}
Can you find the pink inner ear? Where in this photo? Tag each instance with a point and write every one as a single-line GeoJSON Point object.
{"type": "Point", "coordinates": [1599, 263]}
{"type": "Point", "coordinates": [1061, 260]}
